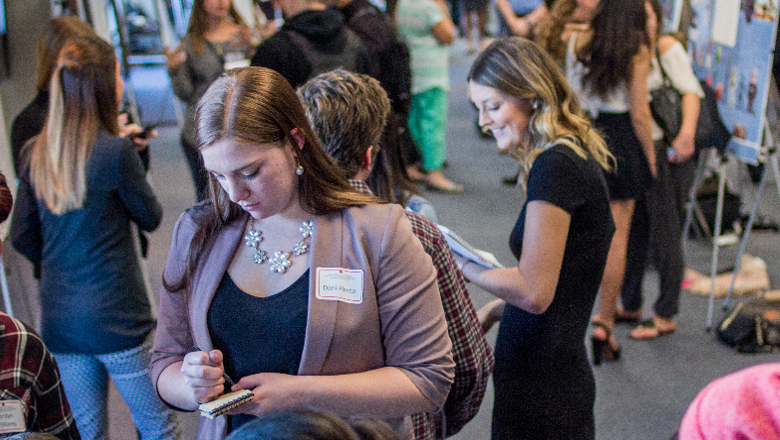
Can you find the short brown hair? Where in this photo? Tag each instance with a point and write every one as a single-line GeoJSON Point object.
{"type": "Point", "coordinates": [347, 112]}
{"type": "Point", "coordinates": [56, 33]}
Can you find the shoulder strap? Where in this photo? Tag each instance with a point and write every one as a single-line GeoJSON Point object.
{"type": "Point", "coordinates": [660, 65]}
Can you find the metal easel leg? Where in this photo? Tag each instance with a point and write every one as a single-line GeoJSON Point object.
{"type": "Point", "coordinates": [698, 176]}
{"type": "Point", "coordinates": [716, 236]}
{"type": "Point", "coordinates": [745, 235]}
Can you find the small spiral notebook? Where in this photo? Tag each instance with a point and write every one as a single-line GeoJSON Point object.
{"type": "Point", "coordinates": [224, 403]}
{"type": "Point", "coordinates": [463, 248]}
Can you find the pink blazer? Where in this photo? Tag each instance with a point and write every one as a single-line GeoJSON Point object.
{"type": "Point", "coordinates": [400, 322]}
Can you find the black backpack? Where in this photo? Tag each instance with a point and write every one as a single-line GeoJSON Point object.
{"type": "Point", "coordinates": [395, 72]}
{"type": "Point", "coordinates": [322, 62]}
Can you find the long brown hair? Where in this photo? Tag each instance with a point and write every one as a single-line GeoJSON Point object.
{"type": "Point", "coordinates": [258, 106]}
{"type": "Point", "coordinates": [520, 69]}
{"type": "Point", "coordinates": [550, 30]}
{"type": "Point", "coordinates": [58, 30]}
{"type": "Point", "coordinates": [198, 25]}
{"type": "Point", "coordinates": [619, 31]}
{"type": "Point", "coordinates": [83, 101]}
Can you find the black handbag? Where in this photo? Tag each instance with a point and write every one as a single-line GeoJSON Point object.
{"type": "Point", "coordinates": [666, 108]}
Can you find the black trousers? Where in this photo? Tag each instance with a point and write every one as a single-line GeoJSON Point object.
{"type": "Point", "coordinates": [656, 231]}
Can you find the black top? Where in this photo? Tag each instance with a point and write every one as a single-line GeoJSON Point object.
{"type": "Point", "coordinates": [259, 335]}
{"type": "Point", "coordinates": [93, 296]}
{"type": "Point", "coordinates": [28, 123]}
{"type": "Point", "coordinates": [325, 29]}
{"type": "Point", "coordinates": [544, 384]}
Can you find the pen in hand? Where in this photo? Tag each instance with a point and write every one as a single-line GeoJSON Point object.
{"type": "Point", "coordinates": [224, 375]}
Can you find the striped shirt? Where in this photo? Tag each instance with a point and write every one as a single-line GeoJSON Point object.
{"type": "Point", "coordinates": [429, 58]}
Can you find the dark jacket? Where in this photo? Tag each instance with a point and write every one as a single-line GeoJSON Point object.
{"type": "Point", "coordinates": [326, 32]}
{"type": "Point", "coordinates": [28, 123]}
{"type": "Point", "coordinates": [387, 51]}
{"type": "Point", "coordinates": [93, 296]}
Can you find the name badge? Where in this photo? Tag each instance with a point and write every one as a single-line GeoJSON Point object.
{"type": "Point", "coordinates": [339, 284]}
{"type": "Point", "coordinates": [11, 416]}
{"type": "Point", "coordinates": [234, 60]}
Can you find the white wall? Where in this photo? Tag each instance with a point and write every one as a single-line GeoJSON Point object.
{"type": "Point", "coordinates": [26, 20]}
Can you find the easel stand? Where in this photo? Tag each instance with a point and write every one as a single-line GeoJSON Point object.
{"type": "Point", "coordinates": [772, 158]}
{"type": "Point", "coordinates": [699, 177]}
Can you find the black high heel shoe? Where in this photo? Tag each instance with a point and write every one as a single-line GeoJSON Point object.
{"type": "Point", "coordinates": [602, 349]}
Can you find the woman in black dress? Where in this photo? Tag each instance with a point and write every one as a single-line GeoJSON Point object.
{"type": "Point", "coordinates": [607, 65]}
{"type": "Point", "coordinates": [544, 387]}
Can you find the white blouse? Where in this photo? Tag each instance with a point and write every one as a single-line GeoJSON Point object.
{"type": "Point", "coordinates": [617, 101]}
{"type": "Point", "coordinates": [677, 66]}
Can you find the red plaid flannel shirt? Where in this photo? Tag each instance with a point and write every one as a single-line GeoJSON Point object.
{"type": "Point", "coordinates": [473, 357]}
{"type": "Point", "coordinates": [28, 373]}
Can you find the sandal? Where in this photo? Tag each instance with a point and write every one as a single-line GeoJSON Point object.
{"type": "Point", "coordinates": [648, 330]}
{"type": "Point", "coordinates": [602, 348]}
{"type": "Point", "coordinates": [415, 175]}
{"type": "Point", "coordinates": [439, 182]}
{"type": "Point", "coordinates": [450, 188]}
{"type": "Point", "coordinates": [623, 315]}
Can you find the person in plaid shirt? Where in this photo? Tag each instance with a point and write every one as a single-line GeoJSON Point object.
{"type": "Point", "coordinates": [29, 374]}
{"type": "Point", "coordinates": [347, 112]}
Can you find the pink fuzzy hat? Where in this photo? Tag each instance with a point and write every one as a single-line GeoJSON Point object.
{"type": "Point", "coordinates": [744, 405]}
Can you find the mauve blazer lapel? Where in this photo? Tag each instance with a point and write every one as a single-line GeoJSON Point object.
{"type": "Point", "coordinates": [327, 250]}
{"type": "Point", "coordinates": [213, 269]}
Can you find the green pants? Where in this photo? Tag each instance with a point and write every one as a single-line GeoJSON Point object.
{"type": "Point", "coordinates": [428, 126]}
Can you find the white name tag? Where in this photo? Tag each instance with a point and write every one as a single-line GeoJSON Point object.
{"type": "Point", "coordinates": [236, 64]}
{"type": "Point", "coordinates": [11, 416]}
{"type": "Point", "coordinates": [235, 59]}
{"type": "Point", "coordinates": [339, 284]}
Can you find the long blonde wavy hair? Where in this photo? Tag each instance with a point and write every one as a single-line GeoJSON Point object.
{"type": "Point", "coordinates": [83, 102]}
{"type": "Point", "coordinates": [520, 69]}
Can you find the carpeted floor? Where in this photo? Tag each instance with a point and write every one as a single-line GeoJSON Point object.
{"type": "Point", "coordinates": [643, 396]}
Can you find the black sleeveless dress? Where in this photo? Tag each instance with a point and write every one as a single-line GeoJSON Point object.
{"type": "Point", "coordinates": [544, 386]}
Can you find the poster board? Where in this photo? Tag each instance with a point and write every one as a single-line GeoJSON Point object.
{"type": "Point", "coordinates": [672, 10]}
{"type": "Point", "coordinates": [730, 44]}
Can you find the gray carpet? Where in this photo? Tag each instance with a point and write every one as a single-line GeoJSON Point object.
{"type": "Point", "coordinates": [641, 397]}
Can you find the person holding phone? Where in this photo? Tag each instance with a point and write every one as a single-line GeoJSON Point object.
{"type": "Point", "coordinates": [81, 188]}
{"type": "Point", "coordinates": [217, 40]}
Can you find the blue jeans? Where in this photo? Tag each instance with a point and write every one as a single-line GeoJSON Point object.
{"type": "Point", "coordinates": [85, 378]}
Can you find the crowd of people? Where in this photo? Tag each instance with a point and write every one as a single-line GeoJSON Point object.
{"type": "Point", "coordinates": [310, 269]}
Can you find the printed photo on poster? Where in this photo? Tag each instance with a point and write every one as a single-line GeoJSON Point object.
{"type": "Point", "coordinates": [730, 43]}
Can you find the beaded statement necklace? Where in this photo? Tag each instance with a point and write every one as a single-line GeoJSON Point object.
{"type": "Point", "coordinates": [281, 260]}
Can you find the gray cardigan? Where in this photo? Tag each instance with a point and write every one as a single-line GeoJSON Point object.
{"type": "Point", "coordinates": [400, 322]}
{"type": "Point", "coordinates": [191, 79]}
